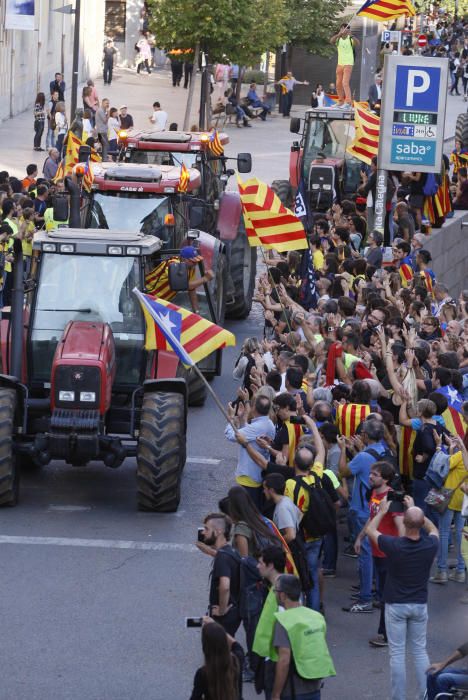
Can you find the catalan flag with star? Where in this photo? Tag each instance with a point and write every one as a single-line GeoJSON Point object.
{"type": "Point", "coordinates": [383, 10]}
{"type": "Point", "coordinates": [267, 221]}
{"type": "Point", "coordinates": [365, 144]}
{"type": "Point", "coordinates": [214, 144]}
{"type": "Point", "coordinates": [173, 328]}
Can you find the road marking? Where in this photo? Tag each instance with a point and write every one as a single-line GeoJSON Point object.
{"type": "Point", "coordinates": [98, 544]}
{"type": "Point", "coordinates": [69, 509]}
{"type": "Point", "coordinates": [202, 460]}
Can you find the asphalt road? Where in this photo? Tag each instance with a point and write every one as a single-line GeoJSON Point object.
{"type": "Point", "coordinates": [94, 595]}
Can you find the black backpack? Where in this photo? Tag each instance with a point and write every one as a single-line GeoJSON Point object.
{"type": "Point", "coordinates": [252, 589]}
{"type": "Point", "coordinates": [385, 456]}
{"type": "Point", "coordinates": [320, 516]}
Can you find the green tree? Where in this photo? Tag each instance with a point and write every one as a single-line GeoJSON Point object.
{"type": "Point", "coordinates": [239, 30]}
{"type": "Point", "coordinates": [312, 23]}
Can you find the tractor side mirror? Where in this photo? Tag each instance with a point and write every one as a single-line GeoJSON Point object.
{"type": "Point", "coordinates": [244, 162]}
{"type": "Point", "coordinates": [295, 125]}
{"type": "Point", "coordinates": [196, 216]}
{"type": "Point", "coordinates": [61, 207]}
{"type": "Point", "coordinates": [178, 277]}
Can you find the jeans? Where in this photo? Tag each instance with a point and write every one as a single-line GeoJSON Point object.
{"type": "Point", "coordinates": [420, 490]}
{"type": "Point", "coordinates": [59, 144]}
{"type": "Point", "coordinates": [406, 622]}
{"type": "Point", "coordinates": [446, 679]}
{"type": "Point", "coordinates": [230, 621]}
{"type": "Point", "coordinates": [104, 145]}
{"type": "Point", "coordinates": [343, 76]}
{"type": "Point", "coordinates": [38, 131]}
{"type": "Point", "coordinates": [445, 522]}
{"type": "Point", "coordinates": [107, 72]}
{"type": "Point", "coordinates": [330, 550]}
{"type": "Point", "coordinates": [312, 553]}
{"type": "Point", "coordinates": [364, 560]}
{"type": "Point", "coordinates": [380, 569]}
{"type": "Point", "coordinates": [50, 138]}
{"type": "Point", "coordinates": [287, 103]}
{"type": "Point", "coordinates": [308, 696]}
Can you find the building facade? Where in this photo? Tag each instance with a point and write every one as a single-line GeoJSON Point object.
{"type": "Point", "coordinates": [29, 59]}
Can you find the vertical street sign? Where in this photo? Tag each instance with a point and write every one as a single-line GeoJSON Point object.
{"type": "Point", "coordinates": [412, 120]}
{"type": "Point", "coordinates": [414, 96]}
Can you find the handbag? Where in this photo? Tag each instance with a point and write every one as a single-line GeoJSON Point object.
{"type": "Point", "coordinates": [439, 499]}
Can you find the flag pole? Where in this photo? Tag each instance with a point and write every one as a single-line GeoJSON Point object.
{"type": "Point", "coordinates": [214, 396]}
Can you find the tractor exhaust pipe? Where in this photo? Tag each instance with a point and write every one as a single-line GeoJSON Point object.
{"type": "Point", "coordinates": [74, 219]}
{"type": "Point", "coordinates": [16, 318]}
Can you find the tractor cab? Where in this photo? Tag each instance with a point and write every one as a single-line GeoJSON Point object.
{"type": "Point", "coordinates": [320, 159]}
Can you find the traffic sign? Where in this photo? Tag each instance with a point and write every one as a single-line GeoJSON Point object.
{"type": "Point", "coordinates": [422, 41]}
{"type": "Point", "coordinates": [390, 37]}
{"type": "Point", "coordinates": [414, 95]}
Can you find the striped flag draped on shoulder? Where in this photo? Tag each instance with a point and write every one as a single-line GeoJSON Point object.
{"type": "Point", "coordinates": [267, 221]}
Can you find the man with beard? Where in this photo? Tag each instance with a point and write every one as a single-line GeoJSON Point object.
{"type": "Point", "coordinates": [225, 573]}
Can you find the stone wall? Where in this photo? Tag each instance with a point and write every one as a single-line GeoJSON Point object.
{"type": "Point", "coordinates": [449, 249]}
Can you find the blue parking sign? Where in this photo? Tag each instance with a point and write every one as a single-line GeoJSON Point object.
{"type": "Point", "coordinates": [417, 87]}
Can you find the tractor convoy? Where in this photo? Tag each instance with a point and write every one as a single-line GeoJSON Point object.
{"type": "Point", "coordinates": [78, 384]}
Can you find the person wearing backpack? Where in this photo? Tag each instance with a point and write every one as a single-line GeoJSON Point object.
{"type": "Point", "coordinates": [225, 572]}
{"type": "Point", "coordinates": [368, 448]}
{"type": "Point", "coordinates": [300, 640]}
{"type": "Point", "coordinates": [313, 493]}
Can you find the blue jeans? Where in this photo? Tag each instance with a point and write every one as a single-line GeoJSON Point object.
{"type": "Point", "coordinates": [380, 570]}
{"type": "Point", "coordinates": [445, 522]}
{"type": "Point", "coordinates": [330, 550]}
{"type": "Point", "coordinates": [308, 696]}
{"type": "Point", "coordinates": [420, 490]}
{"type": "Point", "coordinates": [446, 679]}
{"type": "Point", "coordinates": [312, 552]}
{"type": "Point", "coordinates": [364, 560]}
{"type": "Point", "coordinates": [406, 623]}
{"type": "Point", "coordinates": [50, 138]}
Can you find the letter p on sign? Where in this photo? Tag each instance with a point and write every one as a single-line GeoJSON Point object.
{"type": "Point", "coordinates": [418, 82]}
{"type": "Point", "coordinates": [417, 87]}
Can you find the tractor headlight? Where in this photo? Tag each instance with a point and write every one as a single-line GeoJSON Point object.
{"type": "Point", "coordinates": [66, 395]}
{"type": "Point", "coordinates": [87, 396]}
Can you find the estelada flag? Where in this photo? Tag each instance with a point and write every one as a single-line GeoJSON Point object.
{"type": "Point", "coordinates": [349, 416]}
{"type": "Point", "coordinates": [88, 177]}
{"type": "Point", "coordinates": [383, 10]}
{"type": "Point", "coordinates": [267, 221]}
{"type": "Point", "coordinates": [184, 179]}
{"type": "Point", "coordinates": [214, 144]}
{"type": "Point", "coordinates": [173, 328]}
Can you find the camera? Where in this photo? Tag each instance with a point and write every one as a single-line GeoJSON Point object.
{"type": "Point", "coordinates": [297, 420]}
{"type": "Point", "coordinates": [396, 496]}
{"type": "Point", "coordinates": [193, 621]}
{"type": "Point", "coordinates": [200, 536]}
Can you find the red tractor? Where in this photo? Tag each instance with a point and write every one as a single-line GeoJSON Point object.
{"type": "Point", "coordinates": [145, 198]}
{"type": "Point", "coordinates": [219, 210]}
{"type": "Point", "coordinates": [328, 132]}
{"type": "Point", "coordinates": [77, 383]}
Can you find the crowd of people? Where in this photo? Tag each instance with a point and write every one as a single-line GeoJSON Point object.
{"type": "Point", "coordinates": [351, 424]}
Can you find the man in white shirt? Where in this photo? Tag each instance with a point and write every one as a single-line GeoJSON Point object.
{"type": "Point", "coordinates": [159, 117]}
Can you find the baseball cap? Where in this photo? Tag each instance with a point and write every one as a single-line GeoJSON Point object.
{"type": "Point", "coordinates": [190, 253]}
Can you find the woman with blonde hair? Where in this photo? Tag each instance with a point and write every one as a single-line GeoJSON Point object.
{"type": "Point", "coordinates": [61, 126]}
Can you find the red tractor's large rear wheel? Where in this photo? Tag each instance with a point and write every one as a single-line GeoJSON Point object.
{"type": "Point", "coordinates": [9, 475]}
{"type": "Point", "coordinates": [161, 451]}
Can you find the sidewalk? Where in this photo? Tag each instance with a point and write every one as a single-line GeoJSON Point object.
{"type": "Point", "coordinates": [269, 142]}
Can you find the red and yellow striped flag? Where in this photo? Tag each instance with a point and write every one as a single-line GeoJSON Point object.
{"type": "Point", "coordinates": [214, 144]}
{"type": "Point", "coordinates": [88, 177]}
{"type": "Point", "coordinates": [406, 274]}
{"type": "Point", "coordinates": [268, 222]}
{"type": "Point", "coordinates": [295, 433]}
{"type": "Point", "coordinates": [365, 144]}
{"type": "Point", "coordinates": [407, 438]}
{"type": "Point", "coordinates": [427, 280]}
{"type": "Point", "coordinates": [459, 160]}
{"type": "Point", "coordinates": [454, 422]}
{"type": "Point", "coordinates": [383, 10]}
{"type": "Point", "coordinates": [60, 174]}
{"type": "Point", "coordinates": [73, 144]}
{"type": "Point", "coordinates": [198, 337]}
{"type": "Point", "coordinates": [349, 416]}
{"type": "Point", "coordinates": [184, 179]}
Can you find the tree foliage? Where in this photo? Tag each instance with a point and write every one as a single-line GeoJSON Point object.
{"type": "Point", "coordinates": [312, 23]}
{"type": "Point", "coordinates": [236, 30]}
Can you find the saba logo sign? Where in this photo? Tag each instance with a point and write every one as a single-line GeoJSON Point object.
{"type": "Point", "coordinates": [419, 152]}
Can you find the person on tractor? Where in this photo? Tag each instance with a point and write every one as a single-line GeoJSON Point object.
{"type": "Point", "coordinates": [157, 281]}
{"type": "Point", "coordinates": [346, 45]}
